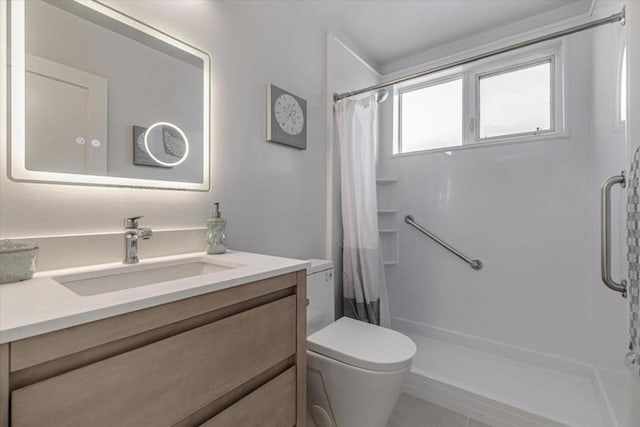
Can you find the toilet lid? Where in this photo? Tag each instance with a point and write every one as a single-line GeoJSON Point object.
{"type": "Point", "coordinates": [363, 345]}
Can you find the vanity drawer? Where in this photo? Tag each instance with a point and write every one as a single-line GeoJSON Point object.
{"type": "Point", "coordinates": [272, 405]}
{"type": "Point", "coordinates": [162, 383]}
{"type": "Point", "coordinates": [114, 334]}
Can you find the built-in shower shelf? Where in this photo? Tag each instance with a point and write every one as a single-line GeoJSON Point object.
{"type": "Point", "coordinates": [388, 220]}
{"type": "Point", "coordinates": [386, 180]}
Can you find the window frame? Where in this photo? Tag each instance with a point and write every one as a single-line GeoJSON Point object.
{"type": "Point", "coordinates": [550, 51]}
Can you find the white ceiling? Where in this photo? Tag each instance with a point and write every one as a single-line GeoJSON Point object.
{"type": "Point", "coordinates": [385, 32]}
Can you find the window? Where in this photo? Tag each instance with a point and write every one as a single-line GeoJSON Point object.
{"type": "Point", "coordinates": [513, 100]}
{"type": "Point", "coordinates": [622, 108]}
{"type": "Point", "coordinates": [431, 116]}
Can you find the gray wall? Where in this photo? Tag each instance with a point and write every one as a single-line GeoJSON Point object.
{"type": "Point", "coordinates": [272, 195]}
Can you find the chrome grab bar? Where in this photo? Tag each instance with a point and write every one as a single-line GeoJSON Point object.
{"type": "Point", "coordinates": [476, 264]}
{"type": "Point", "coordinates": [605, 229]}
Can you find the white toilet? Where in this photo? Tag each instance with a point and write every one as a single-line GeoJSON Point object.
{"type": "Point", "coordinates": [355, 369]}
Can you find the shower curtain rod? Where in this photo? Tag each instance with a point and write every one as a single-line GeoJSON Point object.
{"type": "Point", "coordinates": [617, 17]}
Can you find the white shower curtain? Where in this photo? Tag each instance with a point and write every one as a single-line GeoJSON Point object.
{"type": "Point", "coordinates": [365, 287]}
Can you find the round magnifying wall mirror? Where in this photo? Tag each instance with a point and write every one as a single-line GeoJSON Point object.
{"type": "Point", "coordinates": [166, 144]}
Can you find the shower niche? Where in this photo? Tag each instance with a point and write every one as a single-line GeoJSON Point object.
{"type": "Point", "coordinates": [388, 220]}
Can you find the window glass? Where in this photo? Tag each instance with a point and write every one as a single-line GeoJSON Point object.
{"type": "Point", "coordinates": [515, 102]}
{"type": "Point", "coordinates": [431, 117]}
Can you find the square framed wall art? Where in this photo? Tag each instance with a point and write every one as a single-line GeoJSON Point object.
{"type": "Point", "coordinates": [286, 118]}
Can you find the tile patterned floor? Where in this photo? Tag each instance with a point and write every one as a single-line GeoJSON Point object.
{"type": "Point", "coordinates": [413, 412]}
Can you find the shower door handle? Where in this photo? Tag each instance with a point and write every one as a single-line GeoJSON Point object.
{"type": "Point", "coordinates": [605, 260]}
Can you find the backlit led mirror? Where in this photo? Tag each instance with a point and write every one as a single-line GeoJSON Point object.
{"type": "Point", "coordinates": [100, 98]}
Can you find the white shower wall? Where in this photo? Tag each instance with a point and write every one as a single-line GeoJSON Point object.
{"type": "Point", "coordinates": [528, 211]}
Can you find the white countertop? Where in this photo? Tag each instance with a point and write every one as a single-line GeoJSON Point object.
{"type": "Point", "coordinates": [42, 305]}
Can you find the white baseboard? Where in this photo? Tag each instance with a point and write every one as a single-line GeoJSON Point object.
{"type": "Point", "coordinates": [471, 404]}
{"type": "Point", "coordinates": [525, 355]}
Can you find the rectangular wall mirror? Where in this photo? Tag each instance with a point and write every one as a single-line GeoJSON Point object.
{"type": "Point", "coordinates": [99, 98]}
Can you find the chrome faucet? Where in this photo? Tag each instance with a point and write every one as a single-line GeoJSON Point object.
{"type": "Point", "coordinates": [131, 235]}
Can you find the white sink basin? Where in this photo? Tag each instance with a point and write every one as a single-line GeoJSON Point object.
{"type": "Point", "coordinates": [133, 276]}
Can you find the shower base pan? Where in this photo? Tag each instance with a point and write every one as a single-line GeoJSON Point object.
{"type": "Point", "coordinates": [501, 391]}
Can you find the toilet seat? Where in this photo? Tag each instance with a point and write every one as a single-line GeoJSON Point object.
{"type": "Point", "coordinates": [363, 345]}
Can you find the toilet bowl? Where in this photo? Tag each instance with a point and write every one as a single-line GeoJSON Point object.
{"type": "Point", "coordinates": [355, 370]}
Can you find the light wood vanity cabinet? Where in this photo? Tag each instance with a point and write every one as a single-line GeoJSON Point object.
{"type": "Point", "coordinates": [234, 357]}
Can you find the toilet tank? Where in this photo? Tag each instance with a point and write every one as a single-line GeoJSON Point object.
{"type": "Point", "coordinates": [320, 294]}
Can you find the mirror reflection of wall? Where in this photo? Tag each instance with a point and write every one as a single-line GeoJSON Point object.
{"type": "Point", "coordinates": [90, 80]}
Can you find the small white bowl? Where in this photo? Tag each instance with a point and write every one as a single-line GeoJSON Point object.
{"type": "Point", "coordinates": [17, 261]}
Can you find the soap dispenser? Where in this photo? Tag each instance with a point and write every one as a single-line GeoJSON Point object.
{"type": "Point", "coordinates": [216, 232]}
